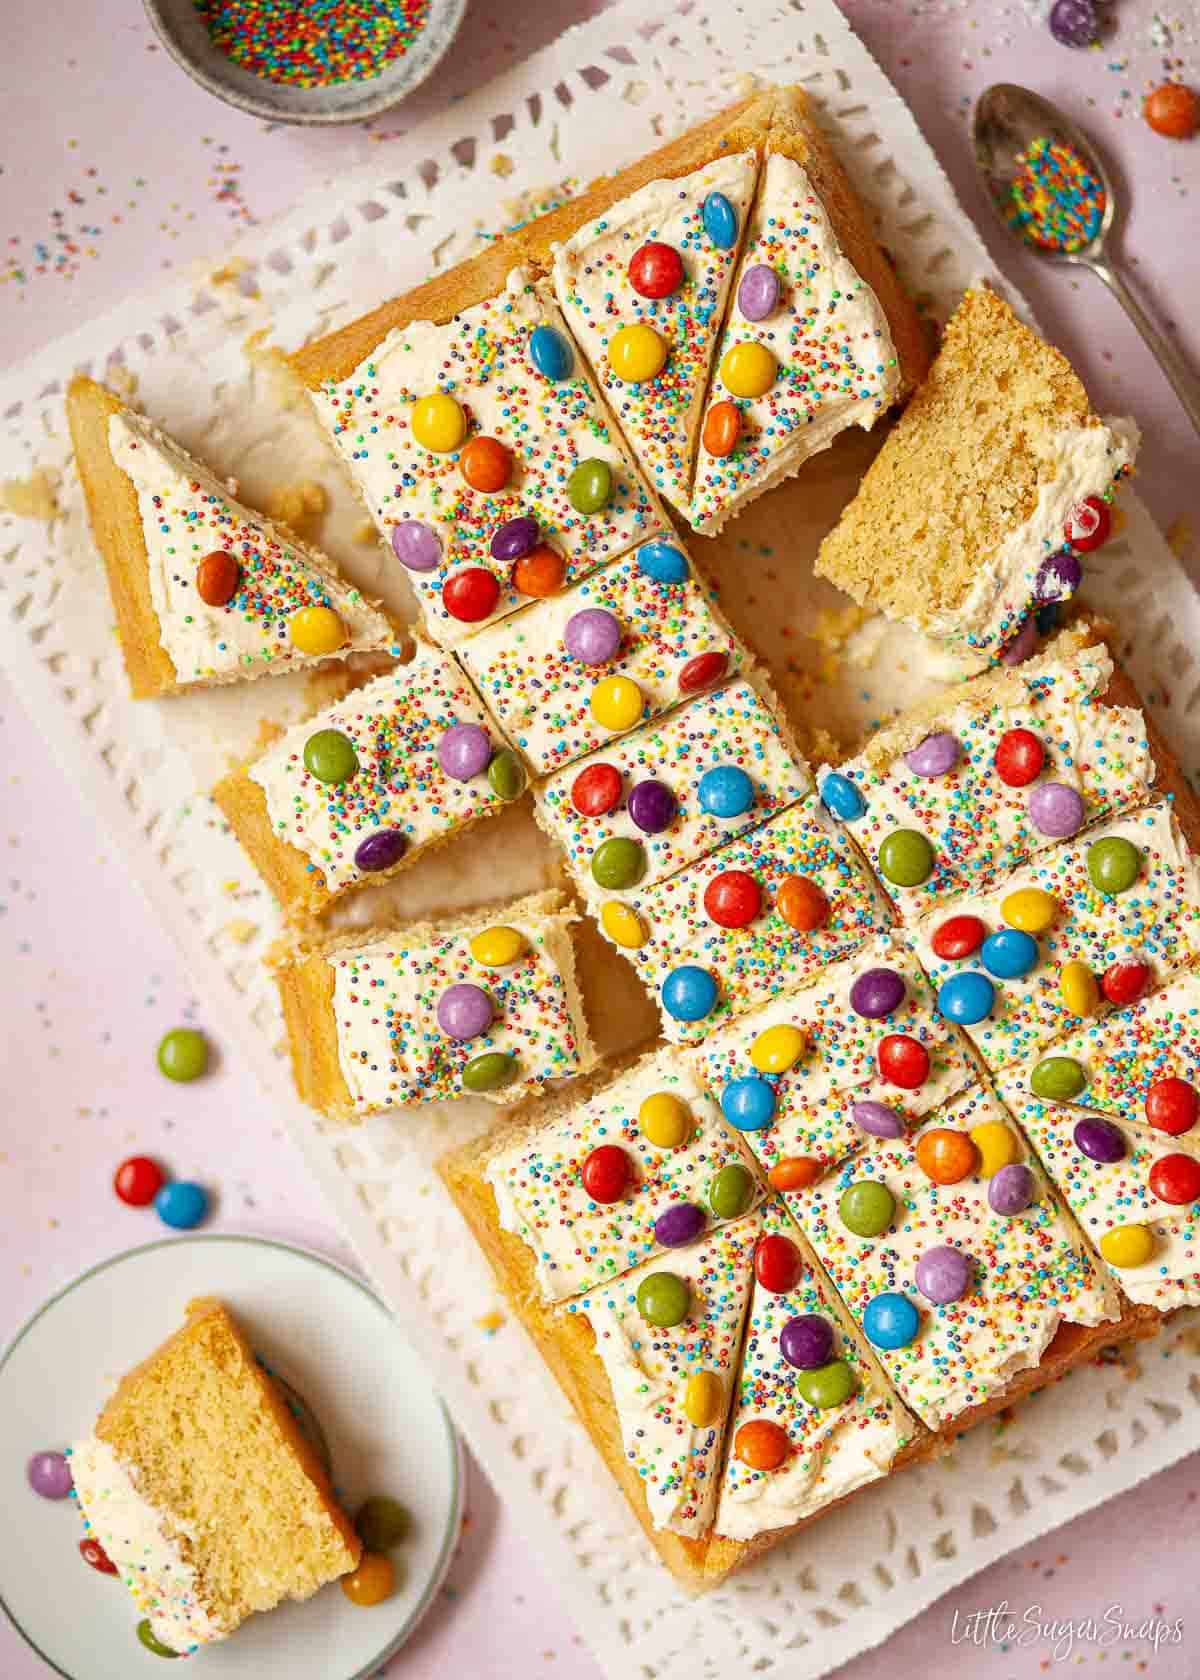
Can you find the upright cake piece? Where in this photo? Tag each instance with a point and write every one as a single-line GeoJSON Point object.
{"type": "Point", "coordinates": [486, 1005]}
{"type": "Point", "coordinates": [674, 791]}
{"type": "Point", "coordinates": [355, 793]}
{"type": "Point", "coordinates": [627, 645]}
{"type": "Point", "coordinates": [992, 489]}
{"type": "Point", "coordinates": [819, 334]}
{"type": "Point", "coordinates": [203, 1492]}
{"type": "Point", "coordinates": [204, 590]}
{"type": "Point", "coordinates": [970, 786]}
{"type": "Point", "coordinates": [1113, 1111]}
{"type": "Point", "coordinates": [484, 455]}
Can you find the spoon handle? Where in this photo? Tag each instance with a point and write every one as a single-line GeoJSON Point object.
{"type": "Point", "coordinates": [1182, 381]}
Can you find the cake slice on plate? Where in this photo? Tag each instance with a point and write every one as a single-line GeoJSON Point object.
{"type": "Point", "coordinates": [485, 1005]}
{"type": "Point", "coordinates": [986, 499]}
{"type": "Point", "coordinates": [819, 334]}
{"type": "Point", "coordinates": [204, 1493]}
{"type": "Point", "coordinates": [357, 792]}
{"type": "Point", "coordinates": [205, 590]}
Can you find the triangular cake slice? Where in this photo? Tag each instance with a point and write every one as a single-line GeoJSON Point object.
{"type": "Point", "coordinates": [643, 285]}
{"type": "Point", "coordinates": [819, 334]}
{"type": "Point", "coordinates": [204, 589]}
{"type": "Point", "coordinates": [813, 1418]}
{"type": "Point", "coordinates": [672, 1373]}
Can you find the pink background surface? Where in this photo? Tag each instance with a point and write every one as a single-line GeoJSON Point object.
{"type": "Point", "coordinates": [90, 212]}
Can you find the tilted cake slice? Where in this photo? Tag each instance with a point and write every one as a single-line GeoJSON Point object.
{"type": "Point", "coordinates": [763, 914]}
{"type": "Point", "coordinates": [953, 1255]}
{"type": "Point", "coordinates": [484, 455]}
{"type": "Point", "coordinates": [674, 791]}
{"type": "Point", "coordinates": [202, 1490]}
{"type": "Point", "coordinates": [861, 1051]}
{"type": "Point", "coordinates": [819, 334]}
{"type": "Point", "coordinates": [1113, 1111]}
{"type": "Point", "coordinates": [631, 642]}
{"type": "Point", "coordinates": [1091, 926]}
{"type": "Point", "coordinates": [989, 494]}
{"type": "Point", "coordinates": [356, 792]}
{"type": "Point", "coordinates": [595, 1187]}
{"type": "Point", "coordinates": [205, 591]}
{"type": "Point", "coordinates": [812, 1419]}
{"type": "Point", "coordinates": [484, 1005]}
{"type": "Point", "coordinates": [972, 784]}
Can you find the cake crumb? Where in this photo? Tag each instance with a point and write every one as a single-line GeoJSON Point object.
{"type": "Point", "coordinates": [301, 505]}
{"type": "Point", "coordinates": [490, 1322]}
{"type": "Point", "coordinates": [1180, 535]}
{"type": "Point", "coordinates": [118, 378]}
{"type": "Point", "coordinates": [834, 626]}
{"type": "Point", "coordinates": [282, 383]}
{"type": "Point", "coordinates": [241, 930]}
{"type": "Point", "coordinates": [34, 497]}
{"type": "Point", "coordinates": [501, 164]}
{"type": "Point", "coordinates": [230, 274]}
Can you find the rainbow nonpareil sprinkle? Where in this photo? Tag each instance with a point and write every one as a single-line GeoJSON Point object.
{"type": "Point", "coordinates": [314, 43]}
{"type": "Point", "coordinates": [1056, 201]}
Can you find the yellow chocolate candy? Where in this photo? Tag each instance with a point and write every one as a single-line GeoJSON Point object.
{"type": "Point", "coordinates": [496, 947]}
{"type": "Point", "coordinates": [622, 925]}
{"type": "Point", "coordinates": [636, 353]}
{"type": "Point", "coordinates": [748, 370]}
{"type": "Point", "coordinates": [1030, 909]}
{"type": "Point", "coordinates": [438, 423]}
{"type": "Point", "coordinates": [616, 703]}
{"type": "Point", "coordinates": [316, 630]}
{"type": "Point", "coordinates": [1127, 1245]}
{"type": "Point", "coordinates": [665, 1120]}
{"type": "Point", "coordinates": [703, 1398]}
{"type": "Point", "coordinates": [776, 1049]}
{"type": "Point", "coordinates": [997, 1146]}
{"type": "Point", "coordinates": [1080, 992]}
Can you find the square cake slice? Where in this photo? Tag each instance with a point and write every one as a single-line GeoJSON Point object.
{"type": "Point", "coordinates": [526, 487]}
{"type": "Point", "coordinates": [972, 784]}
{"type": "Point", "coordinates": [762, 915]}
{"type": "Point", "coordinates": [1113, 1112]}
{"type": "Point", "coordinates": [996, 480]}
{"type": "Point", "coordinates": [357, 792]}
{"type": "Point", "coordinates": [819, 334]}
{"type": "Point", "coordinates": [202, 1490]}
{"type": "Point", "coordinates": [1115, 910]}
{"type": "Point", "coordinates": [572, 673]}
{"type": "Point", "coordinates": [486, 1005]}
{"type": "Point", "coordinates": [674, 790]}
{"type": "Point", "coordinates": [205, 590]}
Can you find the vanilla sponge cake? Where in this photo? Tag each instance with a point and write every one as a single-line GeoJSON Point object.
{"type": "Point", "coordinates": [967, 519]}
{"type": "Point", "coordinates": [201, 1489]}
{"type": "Point", "coordinates": [204, 589]}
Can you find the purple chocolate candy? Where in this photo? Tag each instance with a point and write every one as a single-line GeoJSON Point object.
{"type": "Point", "coordinates": [1055, 809]}
{"type": "Point", "coordinates": [651, 805]}
{"type": "Point", "coordinates": [1100, 1140]}
{"type": "Point", "coordinates": [877, 1119]}
{"type": "Point", "coordinates": [1058, 578]}
{"type": "Point", "coordinates": [758, 293]}
{"type": "Point", "coordinates": [380, 850]}
{"type": "Point", "coordinates": [877, 993]}
{"type": "Point", "coordinates": [806, 1341]}
{"type": "Point", "coordinates": [1023, 644]}
{"type": "Point", "coordinates": [592, 636]}
{"type": "Point", "coordinates": [416, 545]}
{"type": "Point", "coordinates": [936, 755]}
{"type": "Point", "coordinates": [682, 1223]}
{"type": "Point", "coordinates": [515, 538]}
{"type": "Point", "coordinates": [49, 1474]}
{"type": "Point", "coordinates": [1073, 22]}
{"type": "Point", "coordinates": [1011, 1188]}
{"type": "Point", "coordinates": [464, 751]}
{"type": "Point", "coordinates": [464, 1011]}
{"type": "Point", "coordinates": [943, 1275]}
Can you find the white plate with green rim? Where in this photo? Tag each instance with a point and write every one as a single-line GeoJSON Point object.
{"type": "Point", "coordinates": [334, 1343]}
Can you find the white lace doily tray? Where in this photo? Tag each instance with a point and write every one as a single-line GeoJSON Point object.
{"type": "Point", "coordinates": [196, 355]}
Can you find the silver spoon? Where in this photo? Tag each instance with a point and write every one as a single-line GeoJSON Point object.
{"type": "Point", "coordinates": [1007, 120]}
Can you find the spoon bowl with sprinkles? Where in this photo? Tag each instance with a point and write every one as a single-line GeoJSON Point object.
{"type": "Point", "coordinates": [1049, 186]}
{"type": "Point", "coordinates": [307, 61]}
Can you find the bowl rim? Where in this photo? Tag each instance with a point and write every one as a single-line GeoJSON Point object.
{"type": "Point", "coordinates": [449, 14]}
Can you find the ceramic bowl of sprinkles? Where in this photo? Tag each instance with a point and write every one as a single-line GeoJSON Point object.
{"type": "Point", "coordinates": [325, 61]}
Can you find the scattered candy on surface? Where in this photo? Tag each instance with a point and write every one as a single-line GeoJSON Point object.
{"type": "Point", "coordinates": [382, 1523]}
{"type": "Point", "coordinates": [720, 220]}
{"type": "Point", "coordinates": [656, 270]}
{"type": "Point", "coordinates": [1009, 954]}
{"type": "Point", "coordinates": [689, 993]}
{"type": "Point", "coordinates": [551, 353]}
{"type": "Point", "coordinates": [829, 1385]}
{"type": "Point", "coordinates": [841, 798]}
{"type": "Point", "coordinates": [758, 292]}
{"type": "Point", "coordinates": [946, 1156]}
{"type": "Point", "coordinates": [590, 486]}
{"type": "Point", "coordinates": [506, 776]}
{"type": "Point", "coordinates": [725, 791]}
{"type": "Point", "coordinates": [703, 1399]}
{"type": "Point", "coordinates": [597, 790]}
{"type": "Point", "coordinates": [540, 573]}
{"type": "Point", "coordinates": [802, 904]}
{"type": "Point", "coordinates": [138, 1180]}
{"type": "Point", "coordinates": [1113, 864]}
{"type": "Point", "coordinates": [1175, 1179]}
{"type": "Point", "coordinates": [490, 1072]}
{"type": "Point", "coordinates": [1128, 1245]}
{"type": "Point", "coordinates": [618, 863]}
{"type": "Point", "coordinates": [637, 353]}
{"type": "Point", "coordinates": [515, 538]}
{"type": "Point", "coordinates": [1088, 525]}
{"type": "Point", "coordinates": [679, 1225]}
{"type": "Point", "coordinates": [966, 998]}
{"type": "Point", "coordinates": [958, 937]}
{"type": "Point", "coordinates": [616, 703]}
{"type": "Point", "coordinates": [997, 1146]}
{"type": "Point", "coordinates": [877, 993]}
{"type": "Point", "coordinates": [1012, 1189]}
{"type": "Point", "coordinates": [218, 578]}
{"type": "Point", "coordinates": [381, 850]}
{"type": "Point", "coordinates": [867, 1208]}
{"type": "Point", "coordinates": [1173, 111]}
{"type": "Point", "coordinates": [903, 1061]}
{"type": "Point", "coordinates": [891, 1320]}
{"type": "Point", "coordinates": [416, 545]}
{"type": "Point", "coordinates": [464, 751]}
{"type": "Point", "coordinates": [94, 1555]}
{"type": "Point", "coordinates": [1056, 810]}
{"type": "Point", "coordinates": [906, 858]}
{"type": "Point", "coordinates": [733, 899]}
{"type": "Point", "coordinates": [146, 1637]}
{"type": "Point", "coordinates": [806, 1341]}
{"type": "Point", "coordinates": [486, 464]}
{"type": "Point", "coordinates": [943, 1274]}
{"type": "Point", "coordinates": [778, 1263]}
{"type": "Point", "coordinates": [663, 1299]}
{"type": "Point", "coordinates": [181, 1204]}
{"type": "Point", "coordinates": [1057, 1079]}
{"type": "Point", "coordinates": [623, 925]}
{"type": "Point", "coordinates": [470, 594]}
{"type": "Point", "coordinates": [722, 428]}
{"type": "Point", "coordinates": [372, 1582]}
{"type": "Point", "coordinates": [1030, 909]}
{"type": "Point", "coordinates": [1172, 1105]}
{"type": "Point", "coordinates": [749, 1103]}
{"type": "Point", "coordinates": [651, 806]}
{"type": "Point", "coordinates": [778, 1048]}
{"type": "Point", "coordinates": [703, 670]}
{"type": "Point", "coordinates": [665, 1120]}
{"type": "Point", "coordinates": [1019, 757]}
{"type": "Point", "coordinates": [183, 1054]}
{"type": "Point", "coordinates": [761, 1444]}
{"type": "Point", "coordinates": [794, 1172]}
{"type": "Point", "coordinates": [731, 1191]}
{"type": "Point", "coordinates": [607, 1173]}
{"type": "Point", "coordinates": [49, 1475]}
{"type": "Point", "coordinates": [1125, 981]}
{"type": "Point", "coordinates": [936, 755]}
{"type": "Point", "coordinates": [465, 1011]}
{"type": "Point", "coordinates": [330, 757]}
{"type": "Point", "coordinates": [1079, 990]}
{"type": "Point", "coordinates": [1099, 1140]}
{"type": "Point", "coordinates": [663, 562]}
{"type": "Point", "coordinates": [877, 1119]}
{"type": "Point", "coordinates": [438, 423]}
{"type": "Point", "coordinates": [748, 370]}
{"type": "Point", "coordinates": [496, 947]}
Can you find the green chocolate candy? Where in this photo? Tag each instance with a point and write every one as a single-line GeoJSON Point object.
{"type": "Point", "coordinates": [183, 1054]}
{"type": "Point", "coordinates": [905, 858]}
{"type": "Point", "coordinates": [330, 757]}
{"type": "Point", "coordinates": [1113, 864]}
{"type": "Point", "coordinates": [731, 1191]}
{"type": "Point", "coordinates": [490, 1072]}
{"type": "Point", "coordinates": [1057, 1079]}
{"type": "Point", "coordinates": [829, 1385]}
{"type": "Point", "coordinates": [618, 863]}
{"type": "Point", "coordinates": [867, 1208]}
{"type": "Point", "coordinates": [590, 486]}
{"type": "Point", "coordinates": [506, 775]}
{"type": "Point", "coordinates": [382, 1523]}
{"type": "Point", "coordinates": [663, 1299]}
{"type": "Point", "coordinates": [147, 1638]}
